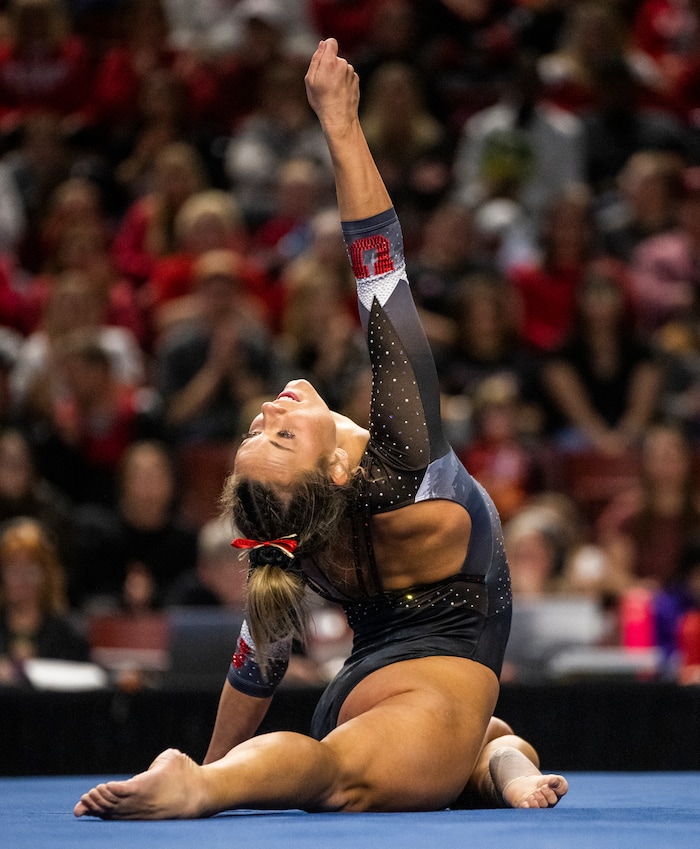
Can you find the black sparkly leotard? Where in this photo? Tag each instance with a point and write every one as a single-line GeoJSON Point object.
{"type": "Point", "coordinates": [407, 460]}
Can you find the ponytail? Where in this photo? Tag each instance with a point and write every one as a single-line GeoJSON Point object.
{"type": "Point", "coordinates": [275, 609]}
{"type": "Point", "coordinates": [281, 527]}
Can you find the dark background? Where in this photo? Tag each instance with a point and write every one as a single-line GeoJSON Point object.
{"type": "Point", "coordinates": [591, 725]}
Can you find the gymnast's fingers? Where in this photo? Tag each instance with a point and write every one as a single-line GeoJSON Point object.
{"type": "Point", "coordinates": [315, 61]}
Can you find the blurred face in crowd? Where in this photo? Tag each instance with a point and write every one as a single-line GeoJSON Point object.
{"type": "Point", "coordinates": [147, 476]}
{"type": "Point", "coordinates": [600, 301]}
{"type": "Point", "coordinates": [531, 559]}
{"type": "Point", "coordinates": [666, 457]}
{"type": "Point", "coordinates": [30, 573]}
{"type": "Point", "coordinates": [22, 578]}
{"type": "Point", "coordinates": [16, 467]}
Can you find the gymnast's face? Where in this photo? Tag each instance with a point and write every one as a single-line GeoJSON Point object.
{"type": "Point", "coordinates": [292, 434]}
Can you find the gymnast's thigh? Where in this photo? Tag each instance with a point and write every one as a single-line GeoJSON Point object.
{"type": "Point", "coordinates": [410, 733]}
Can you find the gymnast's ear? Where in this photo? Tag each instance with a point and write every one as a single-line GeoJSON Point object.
{"type": "Point", "coordinates": [340, 467]}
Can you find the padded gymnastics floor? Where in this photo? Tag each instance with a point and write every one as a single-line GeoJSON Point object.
{"type": "Point", "coordinates": [651, 810]}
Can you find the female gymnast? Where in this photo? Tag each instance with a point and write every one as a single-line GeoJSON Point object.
{"type": "Point", "coordinates": [388, 523]}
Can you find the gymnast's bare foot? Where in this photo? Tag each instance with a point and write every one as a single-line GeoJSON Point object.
{"type": "Point", "coordinates": [519, 782]}
{"type": "Point", "coordinates": [171, 788]}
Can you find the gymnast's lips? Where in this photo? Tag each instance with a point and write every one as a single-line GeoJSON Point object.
{"type": "Point", "coordinates": [287, 394]}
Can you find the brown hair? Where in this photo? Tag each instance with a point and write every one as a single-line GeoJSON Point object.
{"type": "Point", "coordinates": [690, 513]}
{"type": "Point", "coordinates": [28, 536]}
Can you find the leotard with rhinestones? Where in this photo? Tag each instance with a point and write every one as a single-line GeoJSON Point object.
{"type": "Point", "coordinates": [407, 460]}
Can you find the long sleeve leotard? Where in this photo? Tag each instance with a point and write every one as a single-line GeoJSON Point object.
{"type": "Point", "coordinates": [407, 460]}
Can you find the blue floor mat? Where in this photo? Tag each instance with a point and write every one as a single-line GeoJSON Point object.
{"type": "Point", "coordinates": [651, 810]}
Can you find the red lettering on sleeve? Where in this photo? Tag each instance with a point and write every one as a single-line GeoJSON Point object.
{"type": "Point", "coordinates": [379, 245]}
{"type": "Point", "coordinates": [239, 658]}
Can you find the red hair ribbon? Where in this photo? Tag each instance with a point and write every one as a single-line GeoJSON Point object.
{"type": "Point", "coordinates": [285, 544]}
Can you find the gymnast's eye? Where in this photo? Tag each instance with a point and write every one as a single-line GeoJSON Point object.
{"type": "Point", "coordinates": [249, 434]}
{"type": "Point", "coordinates": [285, 434]}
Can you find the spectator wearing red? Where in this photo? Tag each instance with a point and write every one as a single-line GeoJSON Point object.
{"type": "Point", "coordinates": [83, 248]}
{"type": "Point", "coordinates": [147, 230]}
{"type": "Point", "coordinates": [546, 288]}
{"type": "Point", "coordinates": [300, 192]}
{"type": "Point", "coordinates": [92, 422]}
{"type": "Point", "coordinates": [350, 23]}
{"type": "Point", "coordinates": [145, 48]}
{"type": "Point", "coordinates": [668, 31]}
{"type": "Point", "coordinates": [73, 302]}
{"type": "Point", "coordinates": [240, 71]}
{"type": "Point", "coordinates": [209, 221]}
{"type": "Point", "coordinates": [593, 33]}
{"type": "Point", "coordinates": [43, 66]}
{"type": "Point", "coordinates": [498, 456]}
{"type": "Point", "coordinates": [75, 236]}
{"type": "Point", "coordinates": [14, 308]}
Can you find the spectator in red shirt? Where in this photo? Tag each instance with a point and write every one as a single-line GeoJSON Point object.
{"type": "Point", "coordinates": [300, 192]}
{"type": "Point", "coordinates": [147, 230]}
{"type": "Point", "coordinates": [547, 287]}
{"type": "Point", "coordinates": [124, 68]}
{"type": "Point", "coordinates": [14, 309]}
{"type": "Point", "coordinates": [668, 31]}
{"type": "Point", "coordinates": [92, 423]}
{"type": "Point", "coordinates": [350, 23]}
{"type": "Point", "coordinates": [209, 221]}
{"type": "Point", "coordinates": [594, 32]}
{"type": "Point", "coordinates": [73, 302]}
{"type": "Point", "coordinates": [498, 456]}
{"type": "Point", "coordinates": [240, 72]}
{"type": "Point", "coordinates": [83, 248]}
{"type": "Point", "coordinates": [43, 66]}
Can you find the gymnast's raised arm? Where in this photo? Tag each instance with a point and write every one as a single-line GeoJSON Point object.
{"type": "Point", "coordinates": [360, 189]}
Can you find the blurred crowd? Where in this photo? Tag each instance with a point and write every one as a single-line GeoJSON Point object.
{"type": "Point", "coordinates": [170, 254]}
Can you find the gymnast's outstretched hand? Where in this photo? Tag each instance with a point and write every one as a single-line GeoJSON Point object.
{"type": "Point", "coordinates": [332, 87]}
{"type": "Point", "coordinates": [333, 90]}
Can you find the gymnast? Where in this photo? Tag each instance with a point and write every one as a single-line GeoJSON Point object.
{"type": "Point", "coordinates": [389, 524]}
